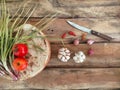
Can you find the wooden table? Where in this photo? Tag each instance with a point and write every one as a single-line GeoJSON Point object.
{"type": "Point", "coordinates": [102, 70]}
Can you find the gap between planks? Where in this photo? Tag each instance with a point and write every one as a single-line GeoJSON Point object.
{"type": "Point", "coordinates": [108, 26]}
{"type": "Point", "coordinates": [76, 78]}
{"type": "Point", "coordinates": [78, 8]}
{"type": "Point", "coordinates": [62, 78]}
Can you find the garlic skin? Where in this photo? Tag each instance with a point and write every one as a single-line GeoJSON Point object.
{"type": "Point", "coordinates": [79, 57]}
{"type": "Point", "coordinates": [64, 54]}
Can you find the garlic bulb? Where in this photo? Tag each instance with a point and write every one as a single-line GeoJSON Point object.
{"type": "Point", "coordinates": [64, 54]}
{"type": "Point", "coordinates": [79, 57]}
{"type": "Point", "coordinates": [27, 27]}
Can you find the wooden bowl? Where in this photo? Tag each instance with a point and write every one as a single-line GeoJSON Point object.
{"type": "Point", "coordinates": [37, 60]}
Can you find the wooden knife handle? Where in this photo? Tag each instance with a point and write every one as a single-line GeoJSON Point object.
{"type": "Point", "coordinates": [101, 35]}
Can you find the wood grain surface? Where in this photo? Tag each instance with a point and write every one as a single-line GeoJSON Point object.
{"type": "Point", "coordinates": [69, 78]}
{"type": "Point", "coordinates": [102, 70]}
{"type": "Point", "coordinates": [70, 8]}
{"type": "Point", "coordinates": [106, 56]}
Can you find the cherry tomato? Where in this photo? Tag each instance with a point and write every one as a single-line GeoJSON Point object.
{"type": "Point", "coordinates": [20, 50]}
{"type": "Point", "coordinates": [20, 64]}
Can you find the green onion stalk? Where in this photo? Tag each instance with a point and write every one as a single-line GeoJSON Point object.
{"type": "Point", "coordinates": [6, 42]}
{"type": "Point", "coordinates": [11, 34]}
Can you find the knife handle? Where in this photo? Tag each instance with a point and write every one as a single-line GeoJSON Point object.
{"type": "Point", "coordinates": [101, 35]}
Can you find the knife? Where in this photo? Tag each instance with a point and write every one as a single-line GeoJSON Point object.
{"type": "Point", "coordinates": [84, 29]}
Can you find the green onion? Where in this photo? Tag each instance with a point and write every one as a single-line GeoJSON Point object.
{"type": "Point", "coordinates": [12, 33]}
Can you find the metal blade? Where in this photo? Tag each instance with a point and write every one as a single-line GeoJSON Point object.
{"type": "Point", "coordinates": [84, 29]}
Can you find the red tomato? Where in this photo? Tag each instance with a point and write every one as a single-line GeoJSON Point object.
{"type": "Point", "coordinates": [20, 50]}
{"type": "Point", "coordinates": [20, 64]}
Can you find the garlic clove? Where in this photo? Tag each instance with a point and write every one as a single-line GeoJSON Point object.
{"type": "Point", "coordinates": [75, 58]}
{"type": "Point", "coordinates": [80, 53]}
{"type": "Point", "coordinates": [63, 53]}
{"type": "Point", "coordinates": [65, 48]}
{"type": "Point", "coordinates": [67, 51]}
{"type": "Point", "coordinates": [60, 56]}
{"type": "Point", "coordinates": [83, 57]}
{"type": "Point", "coordinates": [62, 50]}
{"type": "Point", "coordinates": [90, 41]}
{"type": "Point", "coordinates": [68, 54]}
{"type": "Point", "coordinates": [63, 59]}
{"type": "Point", "coordinates": [67, 57]}
{"type": "Point", "coordinates": [81, 60]}
{"type": "Point", "coordinates": [77, 61]}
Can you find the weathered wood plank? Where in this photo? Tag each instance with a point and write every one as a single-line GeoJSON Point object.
{"type": "Point", "coordinates": [98, 71]}
{"type": "Point", "coordinates": [71, 75]}
{"type": "Point", "coordinates": [7, 84]}
{"type": "Point", "coordinates": [84, 3]}
{"type": "Point", "coordinates": [70, 8]}
{"type": "Point", "coordinates": [103, 89]}
{"type": "Point", "coordinates": [106, 55]}
{"type": "Point", "coordinates": [109, 26]}
{"type": "Point", "coordinates": [76, 78]}
{"type": "Point", "coordinates": [61, 78]}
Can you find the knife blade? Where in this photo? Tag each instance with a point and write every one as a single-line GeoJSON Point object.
{"type": "Point", "coordinates": [90, 31]}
